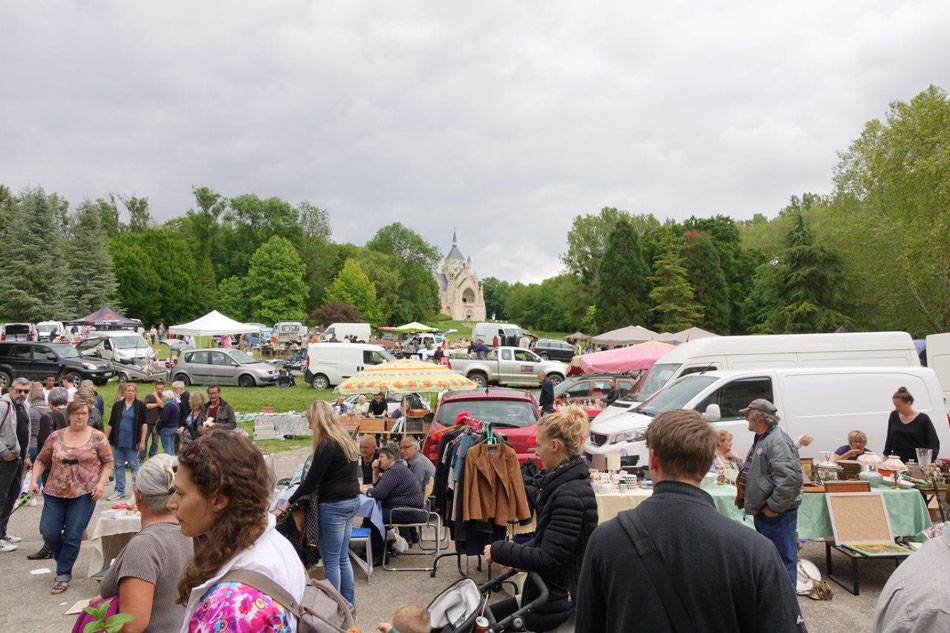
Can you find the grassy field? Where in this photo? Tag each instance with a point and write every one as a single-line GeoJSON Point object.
{"type": "Point", "coordinates": [244, 399]}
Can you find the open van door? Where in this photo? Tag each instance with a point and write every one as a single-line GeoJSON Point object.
{"type": "Point", "coordinates": [938, 359]}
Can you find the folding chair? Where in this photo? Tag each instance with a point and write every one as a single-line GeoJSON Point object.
{"type": "Point", "coordinates": [362, 535]}
{"type": "Point", "coordinates": [423, 518]}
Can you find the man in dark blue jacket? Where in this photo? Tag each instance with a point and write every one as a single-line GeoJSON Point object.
{"type": "Point", "coordinates": [546, 400]}
{"type": "Point", "coordinates": [724, 576]}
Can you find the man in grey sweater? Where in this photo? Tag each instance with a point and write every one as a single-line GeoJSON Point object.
{"type": "Point", "coordinates": [770, 482]}
{"type": "Point", "coordinates": [14, 441]}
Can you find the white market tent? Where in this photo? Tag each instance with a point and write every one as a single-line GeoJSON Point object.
{"type": "Point", "coordinates": [630, 335]}
{"type": "Point", "coordinates": [212, 324]}
{"type": "Point", "coordinates": [689, 334]}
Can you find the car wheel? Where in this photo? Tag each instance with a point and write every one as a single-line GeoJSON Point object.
{"type": "Point", "coordinates": [555, 379]}
{"type": "Point", "coordinates": [320, 382]}
{"type": "Point", "coordinates": [480, 379]}
{"type": "Point", "coordinates": [123, 377]}
{"type": "Point", "coordinates": [545, 357]}
{"type": "Point", "coordinates": [4, 380]}
{"type": "Point", "coordinates": [246, 381]}
{"type": "Point", "coordinates": [184, 379]}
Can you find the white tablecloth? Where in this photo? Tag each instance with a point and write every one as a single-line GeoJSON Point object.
{"type": "Point", "coordinates": [284, 423]}
{"type": "Point", "coordinates": [109, 537]}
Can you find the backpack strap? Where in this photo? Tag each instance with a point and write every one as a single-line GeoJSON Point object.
{"type": "Point", "coordinates": [266, 585]}
{"type": "Point", "coordinates": [657, 572]}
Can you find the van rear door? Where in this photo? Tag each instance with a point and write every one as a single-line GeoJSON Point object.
{"type": "Point", "coordinates": [938, 359]}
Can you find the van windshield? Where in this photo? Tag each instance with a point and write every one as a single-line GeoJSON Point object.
{"type": "Point", "coordinates": [658, 376]}
{"type": "Point", "coordinates": [386, 355]}
{"type": "Point", "coordinates": [132, 341]}
{"type": "Point", "coordinates": [675, 396]}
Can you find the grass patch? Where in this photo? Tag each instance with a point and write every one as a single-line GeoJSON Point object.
{"type": "Point", "coordinates": [243, 399]}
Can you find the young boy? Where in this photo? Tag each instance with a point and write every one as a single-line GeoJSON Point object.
{"type": "Point", "coordinates": [409, 619]}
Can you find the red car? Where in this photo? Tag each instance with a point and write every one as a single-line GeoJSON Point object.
{"type": "Point", "coordinates": [512, 413]}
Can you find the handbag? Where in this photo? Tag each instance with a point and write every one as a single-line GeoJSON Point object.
{"type": "Point", "coordinates": [84, 618]}
{"type": "Point", "coordinates": [660, 578]}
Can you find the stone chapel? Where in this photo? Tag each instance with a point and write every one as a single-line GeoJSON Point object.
{"type": "Point", "coordinates": [460, 292]}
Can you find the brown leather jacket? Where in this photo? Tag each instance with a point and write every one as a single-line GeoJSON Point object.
{"type": "Point", "coordinates": [494, 489]}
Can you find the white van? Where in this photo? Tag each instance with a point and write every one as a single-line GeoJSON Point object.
{"type": "Point", "coordinates": [938, 359]}
{"type": "Point", "coordinates": [329, 364]}
{"type": "Point", "coordinates": [487, 331]}
{"type": "Point", "coordinates": [826, 403]}
{"type": "Point", "coordinates": [851, 349]}
{"type": "Point", "coordinates": [360, 330]}
{"type": "Point", "coordinates": [119, 346]}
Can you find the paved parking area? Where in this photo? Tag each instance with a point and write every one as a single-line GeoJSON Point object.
{"type": "Point", "coordinates": [30, 607]}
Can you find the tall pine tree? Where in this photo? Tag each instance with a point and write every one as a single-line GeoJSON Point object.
{"type": "Point", "coordinates": [807, 290]}
{"type": "Point", "coordinates": [705, 275]}
{"type": "Point", "coordinates": [93, 282]}
{"type": "Point", "coordinates": [33, 285]}
{"type": "Point", "coordinates": [623, 283]}
{"type": "Point", "coordinates": [674, 308]}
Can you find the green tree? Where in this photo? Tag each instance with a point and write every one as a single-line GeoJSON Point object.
{"type": "Point", "coordinates": [892, 193]}
{"type": "Point", "coordinates": [495, 292]}
{"type": "Point", "coordinates": [275, 288]}
{"type": "Point", "coordinates": [33, 286]}
{"type": "Point", "coordinates": [353, 287]}
{"type": "Point", "coordinates": [587, 242]}
{"type": "Point", "coordinates": [674, 308]}
{"type": "Point", "coordinates": [336, 312]}
{"type": "Point", "coordinates": [383, 271]}
{"type": "Point", "coordinates": [705, 276]}
{"type": "Point", "coordinates": [807, 290]}
{"type": "Point", "coordinates": [623, 282]}
{"type": "Point", "coordinates": [232, 299]}
{"type": "Point", "coordinates": [86, 252]}
{"type": "Point", "coordinates": [248, 223]}
{"type": "Point", "coordinates": [204, 227]}
{"type": "Point", "coordinates": [139, 281]}
{"type": "Point", "coordinates": [139, 216]}
{"type": "Point", "coordinates": [406, 245]}
{"type": "Point", "coordinates": [418, 291]}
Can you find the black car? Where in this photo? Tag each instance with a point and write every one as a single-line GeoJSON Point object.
{"type": "Point", "coordinates": [550, 349]}
{"type": "Point", "coordinates": [38, 360]}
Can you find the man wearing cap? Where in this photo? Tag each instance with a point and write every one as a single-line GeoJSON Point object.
{"type": "Point", "coordinates": [770, 482]}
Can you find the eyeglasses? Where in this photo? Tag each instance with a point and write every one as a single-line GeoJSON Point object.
{"type": "Point", "coordinates": [23, 391]}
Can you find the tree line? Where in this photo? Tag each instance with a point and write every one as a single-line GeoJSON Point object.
{"type": "Point", "coordinates": [870, 255]}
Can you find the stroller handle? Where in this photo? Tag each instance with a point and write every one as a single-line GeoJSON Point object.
{"type": "Point", "coordinates": [525, 608]}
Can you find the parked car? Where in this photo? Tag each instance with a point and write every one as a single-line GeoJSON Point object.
{"type": "Point", "coordinates": [262, 335]}
{"type": "Point", "coordinates": [329, 364]}
{"type": "Point", "coordinates": [290, 332]}
{"type": "Point", "coordinates": [120, 346]}
{"type": "Point", "coordinates": [49, 330]}
{"type": "Point", "coordinates": [18, 332]}
{"type": "Point", "coordinates": [393, 401]}
{"type": "Point", "coordinates": [222, 367]}
{"type": "Point", "coordinates": [485, 332]}
{"type": "Point", "coordinates": [549, 349]}
{"type": "Point", "coordinates": [509, 365]}
{"type": "Point", "coordinates": [594, 386]}
{"type": "Point", "coordinates": [513, 414]}
{"type": "Point", "coordinates": [826, 403]}
{"type": "Point", "coordinates": [853, 349]}
{"type": "Point", "coordinates": [37, 360]}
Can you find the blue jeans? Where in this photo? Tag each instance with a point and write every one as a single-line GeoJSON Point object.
{"type": "Point", "coordinates": [782, 531]}
{"type": "Point", "coordinates": [168, 439]}
{"type": "Point", "coordinates": [61, 524]}
{"type": "Point", "coordinates": [336, 525]}
{"type": "Point", "coordinates": [123, 456]}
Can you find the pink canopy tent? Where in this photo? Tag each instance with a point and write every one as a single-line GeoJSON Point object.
{"type": "Point", "coordinates": [623, 359]}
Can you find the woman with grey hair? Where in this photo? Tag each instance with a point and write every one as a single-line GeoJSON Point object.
{"type": "Point", "coordinates": [145, 574]}
{"type": "Point", "coordinates": [194, 419]}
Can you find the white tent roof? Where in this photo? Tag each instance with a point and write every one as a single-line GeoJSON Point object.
{"type": "Point", "coordinates": [689, 334]}
{"type": "Point", "coordinates": [630, 335]}
{"type": "Point", "coordinates": [212, 324]}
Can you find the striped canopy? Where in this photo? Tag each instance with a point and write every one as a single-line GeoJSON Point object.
{"type": "Point", "coordinates": [405, 376]}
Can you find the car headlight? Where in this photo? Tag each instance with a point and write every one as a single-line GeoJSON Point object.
{"type": "Point", "coordinates": [630, 436]}
{"type": "Point", "coordinates": [89, 365]}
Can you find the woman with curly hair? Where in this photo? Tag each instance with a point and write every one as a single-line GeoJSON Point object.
{"type": "Point", "coordinates": [221, 495]}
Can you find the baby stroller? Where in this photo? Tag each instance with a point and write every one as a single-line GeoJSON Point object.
{"type": "Point", "coordinates": [456, 609]}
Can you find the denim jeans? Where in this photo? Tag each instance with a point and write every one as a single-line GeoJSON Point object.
{"type": "Point", "coordinates": [782, 530]}
{"type": "Point", "coordinates": [61, 524]}
{"type": "Point", "coordinates": [336, 525]}
{"type": "Point", "coordinates": [151, 444]}
{"type": "Point", "coordinates": [123, 456]}
{"type": "Point", "coordinates": [168, 439]}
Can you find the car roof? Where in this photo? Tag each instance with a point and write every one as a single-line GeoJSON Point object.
{"type": "Point", "coordinates": [490, 393]}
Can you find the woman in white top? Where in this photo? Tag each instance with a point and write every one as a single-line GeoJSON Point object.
{"type": "Point", "coordinates": [221, 494]}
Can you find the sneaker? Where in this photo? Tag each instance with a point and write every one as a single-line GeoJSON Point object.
{"type": "Point", "coordinates": [115, 496]}
{"type": "Point", "coordinates": [42, 554]}
{"type": "Point", "coordinates": [9, 538]}
{"type": "Point", "coordinates": [6, 546]}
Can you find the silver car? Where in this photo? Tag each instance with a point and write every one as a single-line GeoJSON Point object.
{"type": "Point", "coordinates": [222, 367]}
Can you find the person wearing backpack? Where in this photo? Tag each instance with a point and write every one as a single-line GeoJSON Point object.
{"type": "Point", "coordinates": [221, 494]}
{"type": "Point", "coordinates": [674, 563]}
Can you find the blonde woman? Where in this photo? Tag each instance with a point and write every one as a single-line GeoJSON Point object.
{"type": "Point", "coordinates": [333, 475]}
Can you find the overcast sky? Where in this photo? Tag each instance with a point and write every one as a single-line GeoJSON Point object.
{"type": "Point", "coordinates": [504, 120]}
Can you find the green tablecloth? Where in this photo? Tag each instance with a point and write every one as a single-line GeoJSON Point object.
{"type": "Point", "coordinates": [907, 510]}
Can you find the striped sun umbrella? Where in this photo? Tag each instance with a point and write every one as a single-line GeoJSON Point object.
{"type": "Point", "coordinates": [405, 376]}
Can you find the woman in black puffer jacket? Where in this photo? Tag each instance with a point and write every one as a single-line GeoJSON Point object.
{"type": "Point", "coordinates": [567, 515]}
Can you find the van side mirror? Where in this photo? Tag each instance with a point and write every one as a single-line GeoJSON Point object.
{"type": "Point", "coordinates": [712, 413]}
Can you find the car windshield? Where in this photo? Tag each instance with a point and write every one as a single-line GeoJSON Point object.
{"type": "Point", "coordinates": [658, 376]}
{"type": "Point", "coordinates": [676, 395]}
{"type": "Point", "coordinates": [128, 342]}
{"type": "Point", "coordinates": [243, 357]}
{"type": "Point", "coordinates": [65, 351]}
{"type": "Point", "coordinates": [512, 413]}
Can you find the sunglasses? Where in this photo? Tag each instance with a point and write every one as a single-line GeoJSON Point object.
{"type": "Point", "coordinates": [22, 390]}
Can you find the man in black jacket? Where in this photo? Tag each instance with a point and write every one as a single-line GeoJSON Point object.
{"type": "Point", "coordinates": [726, 577]}
{"type": "Point", "coordinates": [546, 399]}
